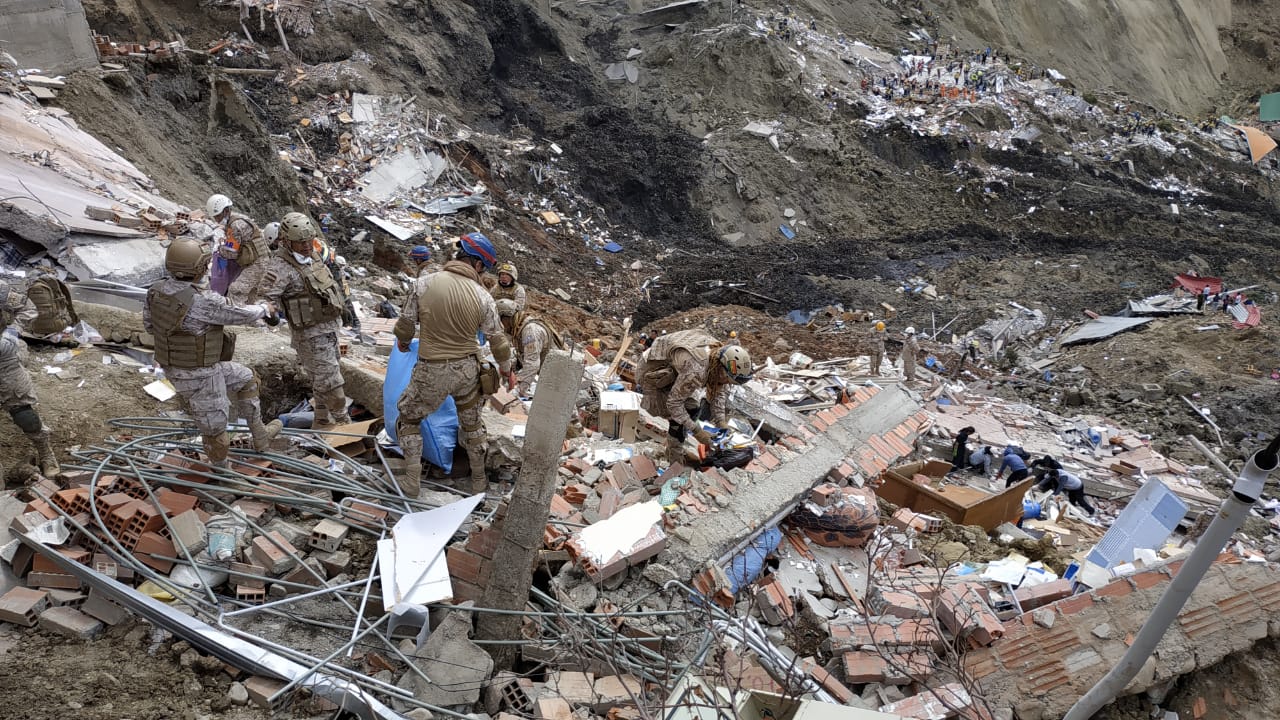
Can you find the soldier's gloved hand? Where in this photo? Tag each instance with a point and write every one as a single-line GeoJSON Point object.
{"type": "Point", "coordinates": [402, 346]}
{"type": "Point", "coordinates": [703, 437]}
{"type": "Point", "coordinates": [512, 382]}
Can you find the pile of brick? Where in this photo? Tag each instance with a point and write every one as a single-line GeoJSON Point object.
{"type": "Point", "coordinates": [157, 529]}
{"type": "Point", "coordinates": [154, 50]}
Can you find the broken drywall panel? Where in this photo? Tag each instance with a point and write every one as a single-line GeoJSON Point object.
{"type": "Point", "coordinates": [403, 172]}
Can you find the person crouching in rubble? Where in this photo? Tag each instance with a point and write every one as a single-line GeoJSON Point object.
{"type": "Point", "coordinates": [675, 367]}
{"type": "Point", "coordinates": [448, 310]}
{"type": "Point", "coordinates": [312, 301]}
{"type": "Point", "coordinates": [17, 392]}
{"type": "Point", "coordinates": [1015, 464]}
{"type": "Point", "coordinates": [187, 320]}
{"type": "Point", "coordinates": [532, 338]}
{"type": "Point", "coordinates": [1073, 486]}
{"type": "Point", "coordinates": [960, 448]}
{"type": "Point", "coordinates": [508, 287]}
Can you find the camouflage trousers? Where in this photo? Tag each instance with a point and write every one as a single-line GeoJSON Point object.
{"type": "Point", "coordinates": [430, 384]}
{"type": "Point", "coordinates": [16, 389]}
{"type": "Point", "coordinates": [206, 393]}
{"type": "Point", "coordinates": [319, 356]}
{"type": "Point", "coordinates": [245, 287]}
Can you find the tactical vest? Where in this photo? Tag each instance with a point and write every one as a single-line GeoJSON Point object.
{"type": "Point", "coordinates": [321, 298]}
{"type": "Point", "coordinates": [53, 305]}
{"type": "Point", "coordinates": [504, 293]}
{"type": "Point", "coordinates": [250, 249]}
{"type": "Point", "coordinates": [556, 341]}
{"type": "Point", "coordinates": [176, 348]}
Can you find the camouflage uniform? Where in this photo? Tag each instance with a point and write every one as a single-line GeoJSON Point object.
{"type": "Point", "coordinates": [206, 391]}
{"type": "Point", "coordinates": [450, 307]}
{"type": "Point", "coordinates": [314, 338]}
{"type": "Point", "coordinates": [674, 369]}
{"type": "Point", "coordinates": [910, 351]}
{"type": "Point", "coordinates": [515, 292]}
{"type": "Point", "coordinates": [244, 290]}
{"type": "Point", "coordinates": [534, 339]}
{"type": "Point", "coordinates": [17, 393]}
{"type": "Point", "coordinates": [238, 230]}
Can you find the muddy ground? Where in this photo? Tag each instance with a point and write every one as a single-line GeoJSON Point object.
{"type": "Point", "coordinates": [665, 161]}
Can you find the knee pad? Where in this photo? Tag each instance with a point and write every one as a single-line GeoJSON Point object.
{"type": "Point", "coordinates": [27, 418]}
{"type": "Point", "coordinates": [250, 391]}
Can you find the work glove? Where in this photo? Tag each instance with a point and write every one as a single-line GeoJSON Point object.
{"type": "Point", "coordinates": [402, 346]}
{"type": "Point", "coordinates": [703, 437]}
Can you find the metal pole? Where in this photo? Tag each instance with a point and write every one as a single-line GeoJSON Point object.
{"type": "Point", "coordinates": [1230, 517]}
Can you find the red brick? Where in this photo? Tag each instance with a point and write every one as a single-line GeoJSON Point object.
{"type": "Point", "coordinates": [793, 443]}
{"type": "Point", "coordinates": [153, 543]}
{"type": "Point", "coordinates": [774, 602]}
{"type": "Point", "coordinates": [560, 507]}
{"type": "Point", "coordinates": [769, 460]}
{"type": "Point", "coordinates": [644, 468]}
{"type": "Point", "coordinates": [755, 467]}
{"type": "Point", "coordinates": [76, 554]}
{"type": "Point", "coordinates": [842, 694]}
{"type": "Point", "coordinates": [464, 566]}
{"type": "Point", "coordinates": [1148, 579]}
{"type": "Point", "coordinates": [175, 503]}
{"type": "Point", "coordinates": [1030, 598]}
{"type": "Point", "coordinates": [1073, 605]}
{"type": "Point", "coordinates": [272, 552]}
{"type": "Point", "coordinates": [839, 411]}
{"type": "Point", "coordinates": [1117, 588]}
{"type": "Point", "coordinates": [967, 615]}
{"type": "Point", "coordinates": [828, 417]}
{"type": "Point", "coordinates": [818, 423]}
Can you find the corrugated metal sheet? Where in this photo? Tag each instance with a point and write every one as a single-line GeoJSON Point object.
{"type": "Point", "coordinates": [1104, 327]}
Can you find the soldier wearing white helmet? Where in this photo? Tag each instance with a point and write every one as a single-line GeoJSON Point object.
{"type": "Point", "coordinates": [238, 243]}
{"type": "Point", "coordinates": [17, 393]}
{"type": "Point", "coordinates": [301, 284]}
{"type": "Point", "coordinates": [910, 351]}
{"type": "Point", "coordinates": [244, 291]}
{"type": "Point", "coordinates": [187, 321]}
{"type": "Point", "coordinates": [675, 368]}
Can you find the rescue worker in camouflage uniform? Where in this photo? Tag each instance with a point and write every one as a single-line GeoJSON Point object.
{"type": "Point", "coordinates": [532, 338]}
{"type": "Point", "coordinates": [675, 367]}
{"type": "Point", "coordinates": [450, 307]}
{"type": "Point", "coordinates": [17, 393]}
{"type": "Point", "coordinates": [238, 241]}
{"type": "Point", "coordinates": [244, 291]}
{"type": "Point", "coordinates": [420, 261]}
{"type": "Point", "coordinates": [187, 322]}
{"type": "Point", "coordinates": [508, 288]}
{"type": "Point", "coordinates": [302, 286]}
{"type": "Point", "coordinates": [910, 351]}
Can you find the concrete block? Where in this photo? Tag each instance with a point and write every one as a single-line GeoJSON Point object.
{"type": "Point", "coordinates": [296, 533]}
{"type": "Point", "coordinates": [305, 574]}
{"type": "Point", "coordinates": [335, 563]}
{"type": "Point", "coordinates": [52, 580]}
{"type": "Point", "coordinates": [71, 623]}
{"type": "Point", "coordinates": [22, 606]}
{"type": "Point", "coordinates": [66, 598]}
{"type": "Point", "coordinates": [149, 546]}
{"type": "Point", "coordinates": [575, 687]}
{"type": "Point", "coordinates": [103, 608]}
{"type": "Point", "coordinates": [458, 668]}
{"type": "Point", "coordinates": [328, 535]}
{"type": "Point", "coordinates": [189, 532]}
{"type": "Point", "coordinates": [552, 708]}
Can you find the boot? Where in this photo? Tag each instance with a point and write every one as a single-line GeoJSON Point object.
{"type": "Point", "coordinates": [411, 483]}
{"type": "Point", "coordinates": [263, 434]}
{"type": "Point", "coordinates": [216, 448]}
{"type": "Point", "coordinates": [336, 401]}
{"type": "Point", "coordinates": [320, 413]}
{"type": "Point", "coordinates": [48, 463]}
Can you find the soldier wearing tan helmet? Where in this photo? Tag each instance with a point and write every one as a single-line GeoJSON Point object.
{"type": "Point", "coordinates": [187, 320]}
{"type": "Point", "coordinates": [312, 300]}
{"type": "Point", "coordinates": [17, 393]}
{"type": "Point", "coordinates": [508, 286]}
{"type": "Point", "coordinates": [532, 338]}
{"type": "Point", "coordinates": [675, 368]}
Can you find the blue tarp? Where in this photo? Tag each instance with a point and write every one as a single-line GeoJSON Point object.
{"type": "Point", "coordinates": [439, 430]}
{"type": "Point", "coordinates": [745, 567]}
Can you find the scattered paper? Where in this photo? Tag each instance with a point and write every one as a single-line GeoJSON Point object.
{"type": "Point", "coordinates": [161, 390]}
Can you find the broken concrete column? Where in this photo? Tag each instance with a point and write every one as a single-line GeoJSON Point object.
{"type": "Point", "coordinates": [458, 668]}
{"type": "Point", "coordinates": [530, 508]}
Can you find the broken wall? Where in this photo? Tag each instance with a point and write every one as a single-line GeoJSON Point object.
{"type": "Point", "coordinates": [52, 35]}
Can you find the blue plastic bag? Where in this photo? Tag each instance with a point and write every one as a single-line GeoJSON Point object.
{"type": "Point", "coordinates": [439, 429]}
